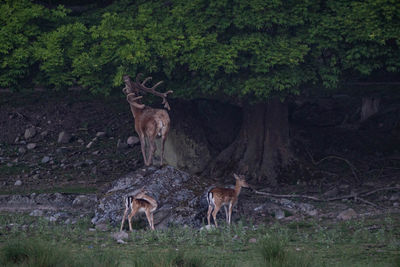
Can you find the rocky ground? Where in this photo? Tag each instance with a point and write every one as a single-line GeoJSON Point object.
{"type": "Point", "coordinates": [62, 157]}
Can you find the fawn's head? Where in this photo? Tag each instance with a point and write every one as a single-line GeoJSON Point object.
{"type": "Point", "coordinates": [240, 180]}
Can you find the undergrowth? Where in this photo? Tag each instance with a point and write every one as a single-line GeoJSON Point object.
{"type": "Point", "coordinates": [33, 241]}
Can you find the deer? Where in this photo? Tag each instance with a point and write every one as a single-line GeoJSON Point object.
{"type": "Point", "coordinates": [218, 197]}
{"type": "Point", "coordinates": [150, 123]}
{"type": "Point", "coordinates": [139, 203]}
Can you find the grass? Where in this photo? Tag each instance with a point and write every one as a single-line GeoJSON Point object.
{"type": "Point", "coordinates": [31, 241]}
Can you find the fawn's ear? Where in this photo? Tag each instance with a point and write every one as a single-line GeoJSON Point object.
{"type": "Point", "coordinates": [236, 176]}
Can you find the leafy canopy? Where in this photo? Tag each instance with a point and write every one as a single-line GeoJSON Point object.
{"type": "Point", "coordinates": [240, 49]}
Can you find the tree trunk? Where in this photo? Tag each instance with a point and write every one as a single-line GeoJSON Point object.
{"type": "Point", "coordinates": [262, 146]}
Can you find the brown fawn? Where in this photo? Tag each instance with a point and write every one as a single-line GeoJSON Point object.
{"type": "Point", "coordinates": [218, 197]}
{"type": "Point", "coordinates": [139, 203]}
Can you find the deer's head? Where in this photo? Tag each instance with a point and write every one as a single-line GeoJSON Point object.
{"type": "Point", "coordinates": [241, 180]}
{"type": "Point", "coordinates": [132, 90]}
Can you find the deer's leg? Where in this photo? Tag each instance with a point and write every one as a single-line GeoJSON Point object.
{"type": "Point", "coordinates": [133, 212]}
{"type": "Point", "coordinates": [162, 148]}
{"type": "Point", "coordinates": [123, 218]}
{"type": "Point", "coordinates": [152, 149]}
{"type": "Point", "coordinates": [148, 216]}
{"type": "Point", "coordinates": [230, 212]}
{"type": "Point", "coordinates": [152, 220]}
{"type": "Point", "coordinates": [143, 147]}
{"type": "Point", "coordinates": [226, 213]}
{"type": "Point", "coordinates": [214, 214]}
{"type": "Point", "coordinates": [210, 209]}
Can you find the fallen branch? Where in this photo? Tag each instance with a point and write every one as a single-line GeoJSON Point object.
{"type": "Point", "coordinates": [353, 169]}
{"type": "Point", "coordinates": [355, 196]}
{"type": "Point", "coordinates": [366, 202]}
{"type": "Point", "coordinates": [288, 196]}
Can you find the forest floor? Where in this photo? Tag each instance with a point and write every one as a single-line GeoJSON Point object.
{"type": "Point", "coordinates": [96, 154]}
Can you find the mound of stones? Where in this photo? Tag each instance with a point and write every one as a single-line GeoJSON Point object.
{"type": "Point", "coordinates": [179, 196]}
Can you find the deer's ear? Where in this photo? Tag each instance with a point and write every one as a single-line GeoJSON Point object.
{"type": "Point", "coordinates": [236, 176]}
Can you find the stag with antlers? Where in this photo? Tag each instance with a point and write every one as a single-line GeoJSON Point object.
{"type": "Point", "coordinates": [149, 122]}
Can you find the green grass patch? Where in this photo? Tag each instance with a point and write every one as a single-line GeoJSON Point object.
{"type": "Point", "coordinates": [365, 242]}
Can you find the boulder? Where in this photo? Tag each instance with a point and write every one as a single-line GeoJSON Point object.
{"type": "Point", "coordinates": [30, 132]}
{"type": "Point", "coordinates": [184, 151]}
{"type": "Point", "coordinates": [120, 235]}
{"type": "Point", "coordinates": [45, 159]}
{"type": "Point", "coordinates": [64, 137]}
{"type": "Point", "coordinates": [21, 150]}
{"type": "Point", "coordinates": [347, 214]}
{"type": "Point", "coordinates": [85, 201]}
{"type": "Point", "coordinates": [132, 140]}
{"type": "Point", "coordinates": [174, 191]}
{"type": "Point", "coordinates": [31, 146]}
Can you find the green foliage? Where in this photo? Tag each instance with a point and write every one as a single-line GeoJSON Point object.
{"type": "Point", "coordinates": [57, 50]}
{"type": "Point", "coordinates": [21, 23]}
{"type": "Point", "coordinates": [242, 49]}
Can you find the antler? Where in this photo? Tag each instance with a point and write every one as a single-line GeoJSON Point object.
{"type": "Point", "coordinates": [128, 85]}
{"type": "Point", "coordinates": [152, 90]}
{"type": "Point", "coordinates": [132, 101]}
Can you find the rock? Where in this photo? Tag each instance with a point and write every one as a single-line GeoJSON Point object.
{"type": "Point", "coordinates": [36, 213]}
{"type": "Point", "coordinates": [18, 183]}
{"type": "Point", "coordinates": [31, 146]}
{"type": "Point", "coordinates": [161, 184]}
{"type": "Point", "coordinates": [395, 197]}
{"type": "Point", "coordinates": [86, 201]}
{"type": "Point", "coordinates": [44, 133]}
{"type": "Point", "coordinates": [312, 213]}
{"type": "Point", "coordinates": [51, 219]}
{"type": "Point", "coordinates": [120, 235]}
{"type": "Point", "coordinates": [331, 193]}
{"type": "Point", "coordinates": [100, 134]}
{"type": "Point", "coordinates": [21, 150]}
{"type": "Point", "coordinates": [184, 151]}
{"type": "Point", "coordinates": [252, 240]}
{"type": "Point", "coordinates": [396, 204]}
{"type": "Point", "coordinates": [90, 144]}
{"type": "Point", "coordinates": [208, 227]}
{"type": "Point", "coordinates": [64, 137]}
{"type": "Point", "coordinates": [45, 159]}
{"type": "Point", "coordinates": [305, 207]}
{"type": "Point", "coordinates": [132, 140]}
{"type": "Point", "coordinates": [279, 214]}
{"type": "Point", "coordinates": [92, 229]}
{"type": "Point", "coordinates": [119, 241]}
{"type": "Point", "coordinates": [29, 133]}
{"type": "Point", "coordinates": [102, 227]}
{"type": "Point", "coordinates": [347, 214]}
{"type": "Point", "coordinates": [121, 145]}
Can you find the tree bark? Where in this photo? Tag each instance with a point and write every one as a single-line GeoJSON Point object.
{"type": "Point", "coordinates": [262, 147]}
